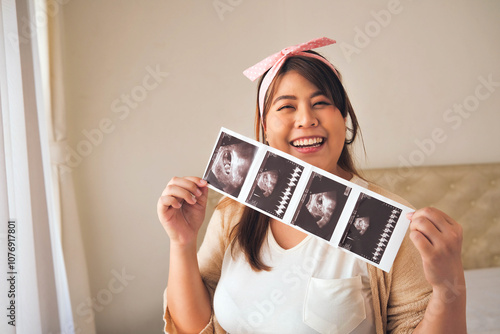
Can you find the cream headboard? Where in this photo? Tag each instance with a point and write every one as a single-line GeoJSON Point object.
{"type": "Point", "coordinates": [468, 193]}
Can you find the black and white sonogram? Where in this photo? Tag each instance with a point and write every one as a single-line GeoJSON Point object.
{"type": "Point", "coordinates": [370, 228]}
{"type": "Point", "coordinates": [274, 184]}
{"type": "Point", "coordinates": [321, 205]}
{"type": "Point", "coordinates": [230, 163]}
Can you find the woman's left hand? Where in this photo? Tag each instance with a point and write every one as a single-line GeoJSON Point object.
{"type": "Point", "coordinates": [438, 238]}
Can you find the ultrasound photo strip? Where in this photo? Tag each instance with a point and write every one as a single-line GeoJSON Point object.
{"type": "Point", "coordinates": [230, 163]}
{"type": "Point", "coordinates": [370, 228]}
{"type": "Point", "coordinates": [321, 205]}
{"type": "Point", "coordinates": [274, 184]}
{"type": "Point", "coordinates": [285, 197]}
{"type": "Point", "coordinates": [365, 224]}
{"type": "Point", "coordinates": [386, 235]}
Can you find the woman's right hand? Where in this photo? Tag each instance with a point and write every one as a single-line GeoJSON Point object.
{"type": "Point", "coordinates": [181, 208]}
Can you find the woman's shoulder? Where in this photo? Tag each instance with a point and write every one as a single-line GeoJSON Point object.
{"type": "Point", "coordinates": [225, 216]}
{"type": "Point", "coordinates": [380, 190]}
{"type": "Point", "coordinates": [386, 193]}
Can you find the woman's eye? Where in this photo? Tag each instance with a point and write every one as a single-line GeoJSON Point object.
{"type": "Point", "coordinates": [322, 103]}
{"type": "Point", "coordinates": [285, 107]}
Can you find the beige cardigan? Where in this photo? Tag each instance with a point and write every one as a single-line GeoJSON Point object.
{"type": "Point", "coordinates": [400, 297]}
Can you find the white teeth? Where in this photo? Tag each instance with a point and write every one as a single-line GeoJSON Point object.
{"type": "Point", "coordinates": [307, 141]}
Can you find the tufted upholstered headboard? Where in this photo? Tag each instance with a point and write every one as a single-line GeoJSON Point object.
{"type": "Point", "coordinates": [468, 193]}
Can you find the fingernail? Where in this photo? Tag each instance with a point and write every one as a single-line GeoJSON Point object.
{"type": "Point", "coordinates": [193, 197]}
{"type": "Point", "coordinates": [409, 215]}
{"type": "Point", "coordinates": [198, 192]}
{"type": "Point", "coordinates": [203, 182]}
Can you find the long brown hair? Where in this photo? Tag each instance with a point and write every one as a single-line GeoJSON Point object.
{"type": "Point", "coordinates": [251, 230]}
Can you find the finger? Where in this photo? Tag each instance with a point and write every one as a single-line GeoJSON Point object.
{"type": "Point", "coordinates": [444, 216]}
{"type": "Point", "coordinates": [187, 183]}
{"type": "Point", "coordinates": [183, 194]}
{"type": "Point", "coordinates": [167, 201]}
{"type": "Point", "coordinates": [199, 181]}
{"type": "Point", "coordinates": [435, 213]}
{"type": "Point", "coordinates": [427, 228]}
{"type": "Point", "coordinates": [175, 196]}
{"type": "Point", "coordinates": [422, 244]}
{"type": "Point", "coordinates": [451, 231]}
{"type": "Point", "coordinates": [203, 187]}
{"type": "Point", "coordinates": [435, 216]}
{"type": "Point", "coordinates": [196, 180]}
{"type": "Point", "coordinates": [203, 199]}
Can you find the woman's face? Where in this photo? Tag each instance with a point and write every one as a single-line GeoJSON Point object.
{"type": "Point", "coordinates": [306, 124]}
{"type": "Point", "coordinates": [267, 181]}
{"type": "Point", "coordinates": [232, 164]}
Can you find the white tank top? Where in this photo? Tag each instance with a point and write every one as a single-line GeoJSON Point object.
{"type": "Point", "coordinates": [312, 288]}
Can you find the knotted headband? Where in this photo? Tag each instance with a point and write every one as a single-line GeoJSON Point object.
{"type": "Point", "coordinates": [275, 61]}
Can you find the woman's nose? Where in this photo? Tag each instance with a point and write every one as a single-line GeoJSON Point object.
{"type": "Point", "coordinates": [305, 117]}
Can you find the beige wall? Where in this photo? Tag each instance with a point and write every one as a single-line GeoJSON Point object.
{"type": "Point", "coordinates": [419, 60]}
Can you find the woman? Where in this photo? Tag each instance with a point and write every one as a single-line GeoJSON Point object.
{"type": "Point", "coordinates": [256, 275]}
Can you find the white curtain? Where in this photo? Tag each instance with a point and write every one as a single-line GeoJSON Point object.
{"type": "Point", "coordinates": [43, 285]}
{"type": "Point", "coordinates": [82, 303]}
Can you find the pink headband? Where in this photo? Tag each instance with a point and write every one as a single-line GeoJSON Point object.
{"type": "Point", "coordinates": [275, 61]}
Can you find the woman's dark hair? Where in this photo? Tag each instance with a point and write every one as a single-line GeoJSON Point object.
{"type": "Point", "coordinates": [250, 232]}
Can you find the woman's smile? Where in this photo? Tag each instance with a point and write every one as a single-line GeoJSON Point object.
{"type": "Point", "coordinates": [308, 144]}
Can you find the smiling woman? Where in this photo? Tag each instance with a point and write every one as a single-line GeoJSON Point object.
{"type": "Point", "coordinates": [239, 281]}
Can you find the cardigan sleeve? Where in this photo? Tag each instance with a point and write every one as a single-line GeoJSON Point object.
{"type": "Point", "coordinates": [403, 293]}
{"type": "Point", "coordinates": [409, 290]}
{"type": "Point", "coordinates": [210, 256]}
